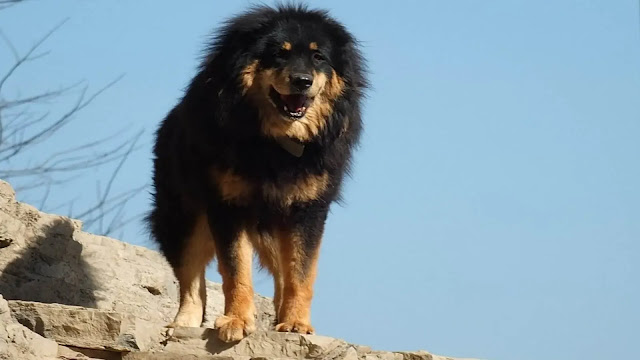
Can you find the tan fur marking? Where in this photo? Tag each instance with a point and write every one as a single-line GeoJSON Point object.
{"type": "Point", "coordinates": [269, 77]}
{"type": "Point", "coordinates": [233, 188]}
{"type": "Point", "coordinates": [313, 45]}
{"type": "Point", "coordinates": [303, 129]}
{"type": "Point", "coordinates": [305, 189]}
{"type": "Point", "coordinates": [198, 253]}
{"type": "Point", "coordinates": [324, 90]}
{"type": "Point", "coordinates": [319, 84]}
{"type": "Point", "coordinates": [335, 87]}
{"type": "Point", "coordinates": [278, 288]}
{"type": "Point", "coordinates": [286, 45]}
{"type": "Point", "coordinates": [247, 76]}
{"type": "Point", "coordinates": [238, 319]}
{"type": "Point", "coordinates": [295, 309]}
{"type": "Point", "coordinates": [268, 251]}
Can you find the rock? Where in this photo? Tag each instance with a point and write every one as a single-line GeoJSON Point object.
{"type": "Point", "coordinates": [203, 341]}
{"type": "Point", "coordinates": [87, 328]}
{"type": "Point", "coordinates": [5, 233]}
{"type": "Point", "coordinates": [78, 296]}
{"type": "Point", "coordinates": [51, 260]}
{"type": "Point", "coordinates": [76, 353]}
{"type": "Point", "coordinates": [18, 342]}
{"type": "Point", "coordinates": [106, 335]}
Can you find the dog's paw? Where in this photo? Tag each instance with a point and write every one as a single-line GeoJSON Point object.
{"type": "Point", "coordinates": [296, 327]}
{"type": "Point", "coordinates": [186, 319]}
{"type": "Point", "coordinates": [233, 328]}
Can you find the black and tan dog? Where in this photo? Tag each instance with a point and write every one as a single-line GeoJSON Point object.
{"type": "Point", "coordinates": [251, 159]}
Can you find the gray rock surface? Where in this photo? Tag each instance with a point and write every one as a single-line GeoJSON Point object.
{"type": "Point", "coordinates": [88, 328]}
{"type": "Point", "coordinates": [50, 259]}
{"type": "Point", "coordinates": [74, 295]}
{"type": "Point", "coordinates": [18, 342]}
{"type": "Point", "coordinates": [104, 334]}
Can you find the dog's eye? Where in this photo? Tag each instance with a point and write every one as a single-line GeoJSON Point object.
{"type": "Point", "coordinates": [282, 54]}
{"type": "Point", "coordinates": [317, 57]}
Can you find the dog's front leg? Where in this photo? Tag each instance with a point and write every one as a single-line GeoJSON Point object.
{"type": "Point", "coordinates": [234, 253]}
{"type": "Point", "coordinates": [299, 243]}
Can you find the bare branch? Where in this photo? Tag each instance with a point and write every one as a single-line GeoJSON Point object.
{"type": "Point", "coordinates": [113, 227]}
{"type": "Point", "coordinates": [74, 163]}
{"type": "Point", "coordinates": [14, 131]}
{"type": "Point", "coordinates": [10, 45]}
{"type": "Point", "coordinates": [44, 180]}
{"type": "Point", "coordinates": [56, 125]}
{"type": "Point", "coordinates": [98, 210]}
{"type": "Point", "coordinates": [27, 57]}
{"type": "Point", "coordinates": [25, 123]}
{"type": "Point", "coordinates": [4, 4]}
{"type": "Point", "coordinates": [46, 195]}
{"type": "Point", "coordinates": [7, 104]}
{"type": "Point", "coordinates": [117, 170]}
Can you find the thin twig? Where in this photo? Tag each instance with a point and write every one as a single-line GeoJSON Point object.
{"type": "Point", "coordinates": [27, 56]}
{"type": "Point", "coordinates": [49, 130]}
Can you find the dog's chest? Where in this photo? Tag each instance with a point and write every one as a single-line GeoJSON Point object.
{"type": "Point", "coordinates": [239, 190]}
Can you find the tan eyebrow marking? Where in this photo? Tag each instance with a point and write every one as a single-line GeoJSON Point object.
{"type": "Point", "coordinates": [313, 45]}
{"type": "Point", "coordinates": [286, 45]}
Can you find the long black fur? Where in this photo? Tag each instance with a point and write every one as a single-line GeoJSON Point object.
{"type": "Point", "coordinates": [214, 125]}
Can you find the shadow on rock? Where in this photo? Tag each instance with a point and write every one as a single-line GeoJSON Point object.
{"type": "Point", "coordinates": [50, 270]}
{"type": "Point", "coordinates": [214, 344]}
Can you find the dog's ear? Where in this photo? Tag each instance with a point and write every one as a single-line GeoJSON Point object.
{"type": "Point", "coordinates": [348, 60]}
{"type": "Point", "coordinates": [226, 52]}
{"type": "Point", "coordinates": [230, 50]}
{"type": "Point", "coordinates": [244, 26]}
{"type": "Point", "coordinates": [352, 65]}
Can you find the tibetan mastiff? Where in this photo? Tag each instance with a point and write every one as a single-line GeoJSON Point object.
{"type": "Point", "coordinates": [252, 157]}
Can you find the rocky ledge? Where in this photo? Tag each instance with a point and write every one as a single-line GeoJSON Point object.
{"type": "Point", "coordinates": [68, 294]}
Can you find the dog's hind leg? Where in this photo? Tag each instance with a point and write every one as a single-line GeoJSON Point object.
{"type": "Point", "coordinates": [198, 251]}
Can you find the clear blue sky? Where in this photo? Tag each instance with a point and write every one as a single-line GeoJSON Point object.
{"type": "Point", "coordinates": [494, 210]}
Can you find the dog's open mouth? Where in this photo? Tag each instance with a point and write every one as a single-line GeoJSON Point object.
{"type": "Point", "coordinates": [293, 105]}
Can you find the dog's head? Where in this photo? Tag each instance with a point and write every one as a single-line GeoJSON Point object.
{"type": "Point", "coordinates": [296, 64]}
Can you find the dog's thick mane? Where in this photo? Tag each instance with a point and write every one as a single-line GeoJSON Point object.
{"type": "Point", "coordinates": [225, 55]}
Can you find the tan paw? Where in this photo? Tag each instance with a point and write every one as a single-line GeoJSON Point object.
{"type": "Point", "coordinates": [296, 327]}
{"type": "Point", "coordinates": [233, 328]}
{"type": "Point", "coordinates": [186, 319]}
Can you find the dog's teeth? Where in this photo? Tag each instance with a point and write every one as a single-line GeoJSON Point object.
{"type": "Point", "coordinates": [286, 108]}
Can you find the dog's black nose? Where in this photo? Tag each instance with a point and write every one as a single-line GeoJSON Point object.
{"type": "Point", "coordinates": [300, 81]}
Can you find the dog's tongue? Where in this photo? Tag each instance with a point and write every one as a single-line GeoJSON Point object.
{"type": "Point", "coordinates": [295, 103]}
